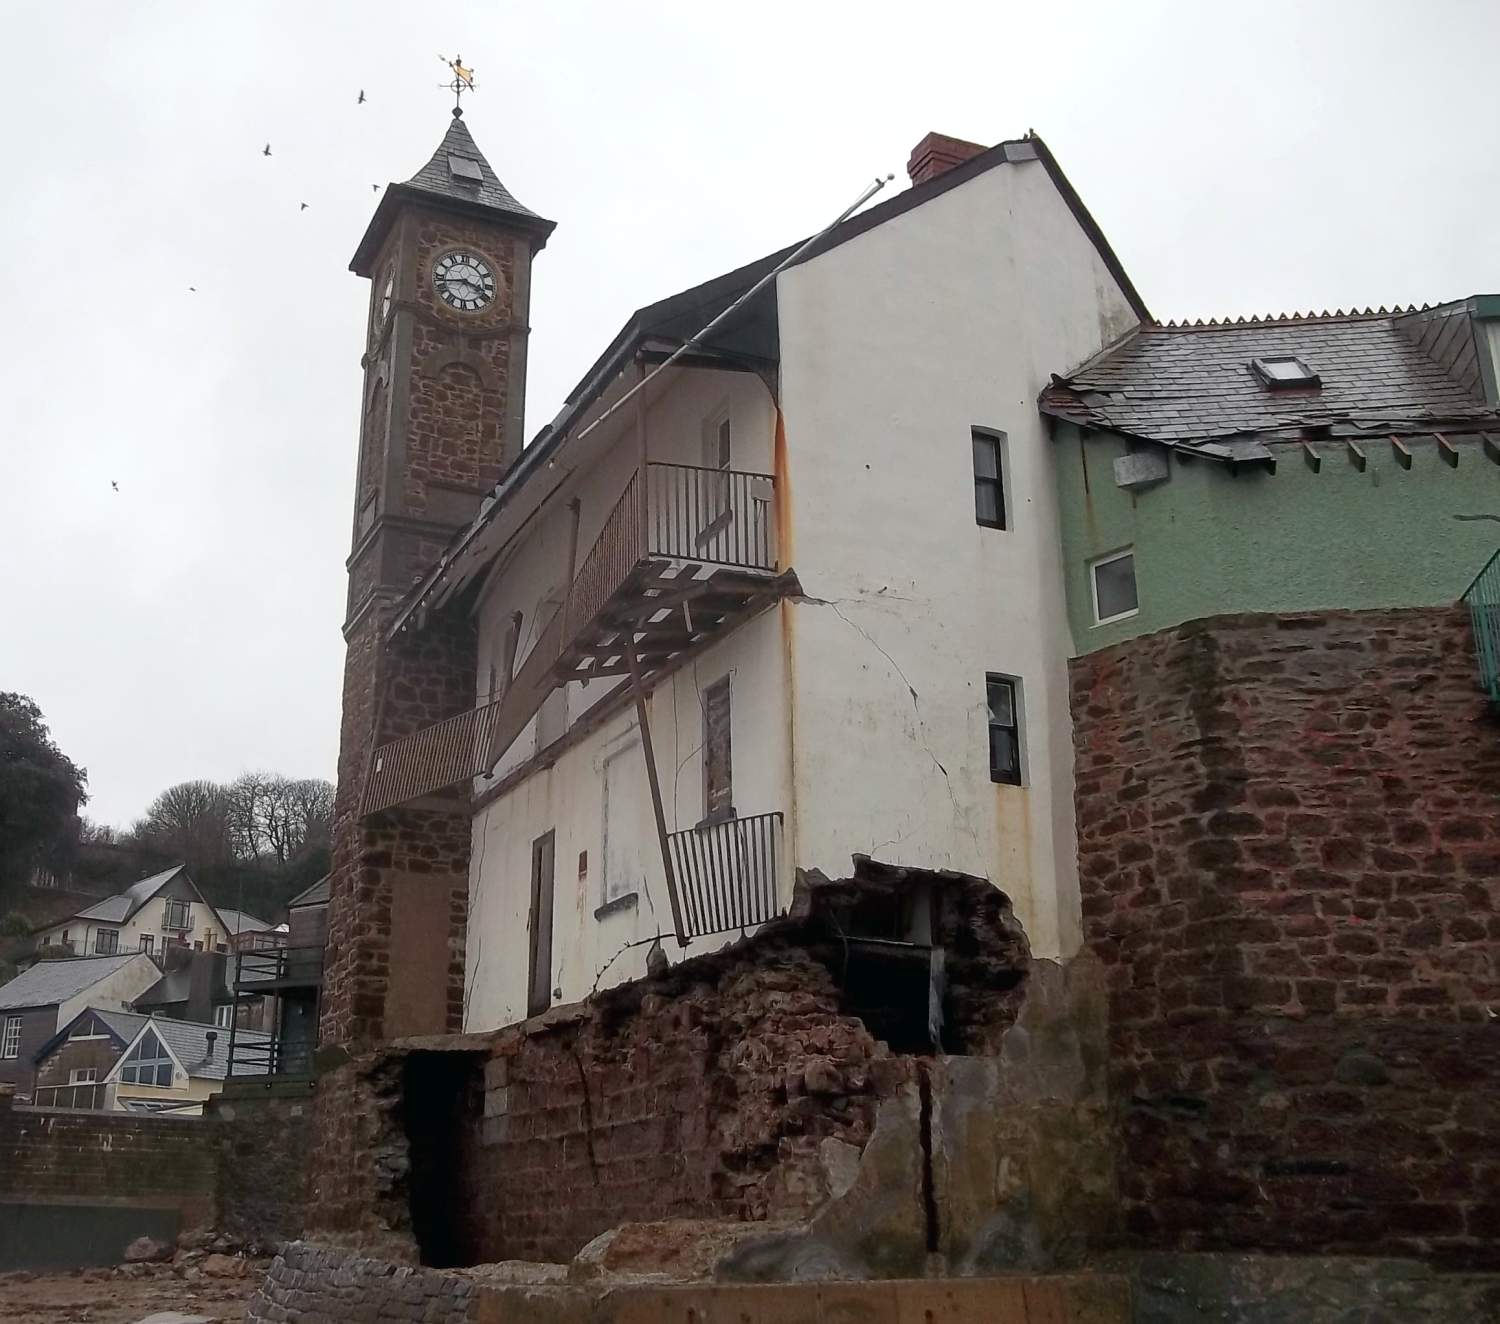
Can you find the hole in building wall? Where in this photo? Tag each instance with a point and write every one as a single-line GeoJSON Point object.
{"type": "Point", "coordinates": [928, 963]}
{"type": "Point", "coordinates": [442, 1101]}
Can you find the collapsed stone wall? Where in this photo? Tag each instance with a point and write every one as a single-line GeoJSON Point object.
{"type": "Point", "coordinates": [753, 1085]}
{"type": "Point", "coordinates": [1289, 847]}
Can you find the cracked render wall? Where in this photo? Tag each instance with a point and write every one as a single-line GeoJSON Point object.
{"type": "Point", "coordinates": [1290, 851]}
{"type": "Point", "coordinates": [894, 346]}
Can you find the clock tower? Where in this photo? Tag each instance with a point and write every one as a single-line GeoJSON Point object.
{"type": "Point", "coordinates": [448, 255]}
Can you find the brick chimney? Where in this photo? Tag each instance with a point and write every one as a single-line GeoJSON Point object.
{"type": "Point", "coordinates": [937, 153]}
{"type": "Point", "coordinates": [205, 979]}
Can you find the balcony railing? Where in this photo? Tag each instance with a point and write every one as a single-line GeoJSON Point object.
{"type": "Point", "coordinates": [1482, 597]}
{"type": "Point", "coordinates": [728, 873]}
{"type": "Point", "coordinates": [266, 1055]}
{"type": "Point", "coordinates": [93, 1096]}
{"type": "Point", "coordinates": [683, 515]}
{"type": "Point", "coordinates": [266, 969]}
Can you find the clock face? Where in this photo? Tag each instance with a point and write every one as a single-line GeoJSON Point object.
{"type": "Point", "coordinates": [464, 281]}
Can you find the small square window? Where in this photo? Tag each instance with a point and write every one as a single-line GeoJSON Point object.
{"type": "Point", "coordinates": [1284, 370]}
{"type": "Point", "coordinates": [106, 942]}
{"type": "Point", "coordinates": [989, 479]}
{"type": "Point", "coordinates": [1004, 728]}
{"type": "Point", "coordinates": [1113, 579]}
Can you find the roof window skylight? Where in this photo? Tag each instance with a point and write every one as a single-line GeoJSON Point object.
{"type": "Point", "coordinates": [466, 169]}
{"type": "Point", "coordinates": [1284, 370]}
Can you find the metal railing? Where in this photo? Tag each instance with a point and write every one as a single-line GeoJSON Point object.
{"type": "Point", "coordinates": [616, 552]}
{"type": "Point", "coordinates": [431, 759]}
{"type": "Point", "coordinates": [1482, 598]}
{"type": "Point", "coordinates": [264, 968]}
{"type": "Point", "coordinates": [719, 517]}
{"type": "Point", "coordinates": [92, 1096]}
{"type": "Point", "coordinates": [727, 873]}
{"type": "Point", "coordinates": [266, 1055]}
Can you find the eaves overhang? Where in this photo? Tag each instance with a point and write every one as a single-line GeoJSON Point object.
{"type": "Point", "coordinates": [398, 195]}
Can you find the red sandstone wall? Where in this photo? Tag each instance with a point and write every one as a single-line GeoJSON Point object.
{"type": "Point", "coordinates": [1289, 841]}
{"type": "Point", "coordinates": [709, 1103]}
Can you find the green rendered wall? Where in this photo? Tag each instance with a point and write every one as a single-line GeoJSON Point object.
{"type": "Point", "coordinates": [1209, 541]}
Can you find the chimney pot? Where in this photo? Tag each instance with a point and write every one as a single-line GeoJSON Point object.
{"type": "Point", "coordinates": [937, 153]}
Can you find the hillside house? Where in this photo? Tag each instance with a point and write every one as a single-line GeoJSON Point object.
{"type": "Point", "coordinates": [47, 996]}
{"type": "Point", "coordinates": [164, 910]}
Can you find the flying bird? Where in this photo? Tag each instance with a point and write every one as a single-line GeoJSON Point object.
{"type": "Point", "coordinates": [361, 100]}
{"type": "Point", "coordinates": [266, 150]}
{"type": "Point", "coordinates": [114, 484]}
{"type": "Point", "coordinates": [374, 188]}
{"type": "Point", "coordinates": [192, 289]}
{"type": "Point", "coordinates": [303, 207]}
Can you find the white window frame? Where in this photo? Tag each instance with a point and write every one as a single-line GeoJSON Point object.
{"type": "Point", "coordinates": [10, 1044]}
{"type": "Point", "coordinates": [99, 933]}
{"type": "Point", "coordinates": [83, 1076]}
{"type": "Point", "coordinates": [224, 1015]}
{"type": "Point", "coordinates": [1093, 568]}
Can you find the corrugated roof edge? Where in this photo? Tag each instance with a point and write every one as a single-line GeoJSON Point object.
{"type": "Point", "coordinates": [594, 381]}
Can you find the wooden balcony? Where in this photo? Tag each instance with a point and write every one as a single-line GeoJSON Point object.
{"type": "Point", "coordinates": [685, 555]}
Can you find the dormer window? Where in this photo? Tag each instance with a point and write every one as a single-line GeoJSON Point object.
{"type": "Point", "coordinates": [465, 169]}
{"type": "Point", "coordinates": [1284, 371]}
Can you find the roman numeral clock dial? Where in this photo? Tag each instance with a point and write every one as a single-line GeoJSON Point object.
{"type": "Point", "coordinates": [464, 281]}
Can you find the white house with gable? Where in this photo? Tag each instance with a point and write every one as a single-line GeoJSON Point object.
{"type": "Point", "coordinates": [158, 912]}
{"type": "Point", "coordinates": [808, 576]}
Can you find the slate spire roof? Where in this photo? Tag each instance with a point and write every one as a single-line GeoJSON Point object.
{"type": "Point", "coordinates": [457, 178]}
{"type": "Point", "coordinates": [458, 170]}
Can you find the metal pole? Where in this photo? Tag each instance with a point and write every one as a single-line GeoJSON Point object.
{"type": "Point", "coordinates": [694, 341]}
{"type": "Point", "coordinates": [661, 818]}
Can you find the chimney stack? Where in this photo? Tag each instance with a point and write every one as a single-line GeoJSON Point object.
{"type": "Point", "coordinates": [937, 153]}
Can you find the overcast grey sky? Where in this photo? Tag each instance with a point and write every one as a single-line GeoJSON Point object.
{"type": "Point", "coordinates": [1240, 157]}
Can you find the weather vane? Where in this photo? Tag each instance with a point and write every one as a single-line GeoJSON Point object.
{"type": "Point", "coordinates": [463, 81]}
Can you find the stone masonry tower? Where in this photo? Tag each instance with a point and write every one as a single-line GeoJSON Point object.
{"type": "Point", "coordinates": [448, 254]}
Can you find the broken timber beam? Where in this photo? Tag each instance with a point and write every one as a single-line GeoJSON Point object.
{"type": "Point", "coordinates": [661, 819]}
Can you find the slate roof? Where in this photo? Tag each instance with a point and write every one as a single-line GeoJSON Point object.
{"type": "Point", "coordinates": [1190, 384]}
{"type": "Point", "coordinates": [50, 982]}
{"type": "Point", "coordinates": [316, 895]}
{"type": "Point", "coordinates": [190, 1043]}
{"type": "Point", "coordinates": [124, 1025]}
{"type": "Point", "coordinates": [120, 907]}
{"type": "Point", "coordinates": [240, 921]}
{"type": "Point", "coordinates": [439, 182]}
{"type": "Point", "coordinates": [438, 177]}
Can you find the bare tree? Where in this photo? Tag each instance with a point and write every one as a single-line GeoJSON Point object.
{"type": "Point", "coordinates": [188, 821]}
{"type": "Point", "coordinates": [245, 805]}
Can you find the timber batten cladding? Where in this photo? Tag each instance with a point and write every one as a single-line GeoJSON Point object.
{"type": "Point", "coordinates": [686, 555]}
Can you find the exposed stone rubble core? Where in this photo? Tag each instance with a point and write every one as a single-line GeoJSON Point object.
{"type": "Point", "coordinates": [311, 1284]}
{"type": "Point", "coordinates": [751, 1086]}
{"type": "Point", "coordinates": [1290, 860]}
